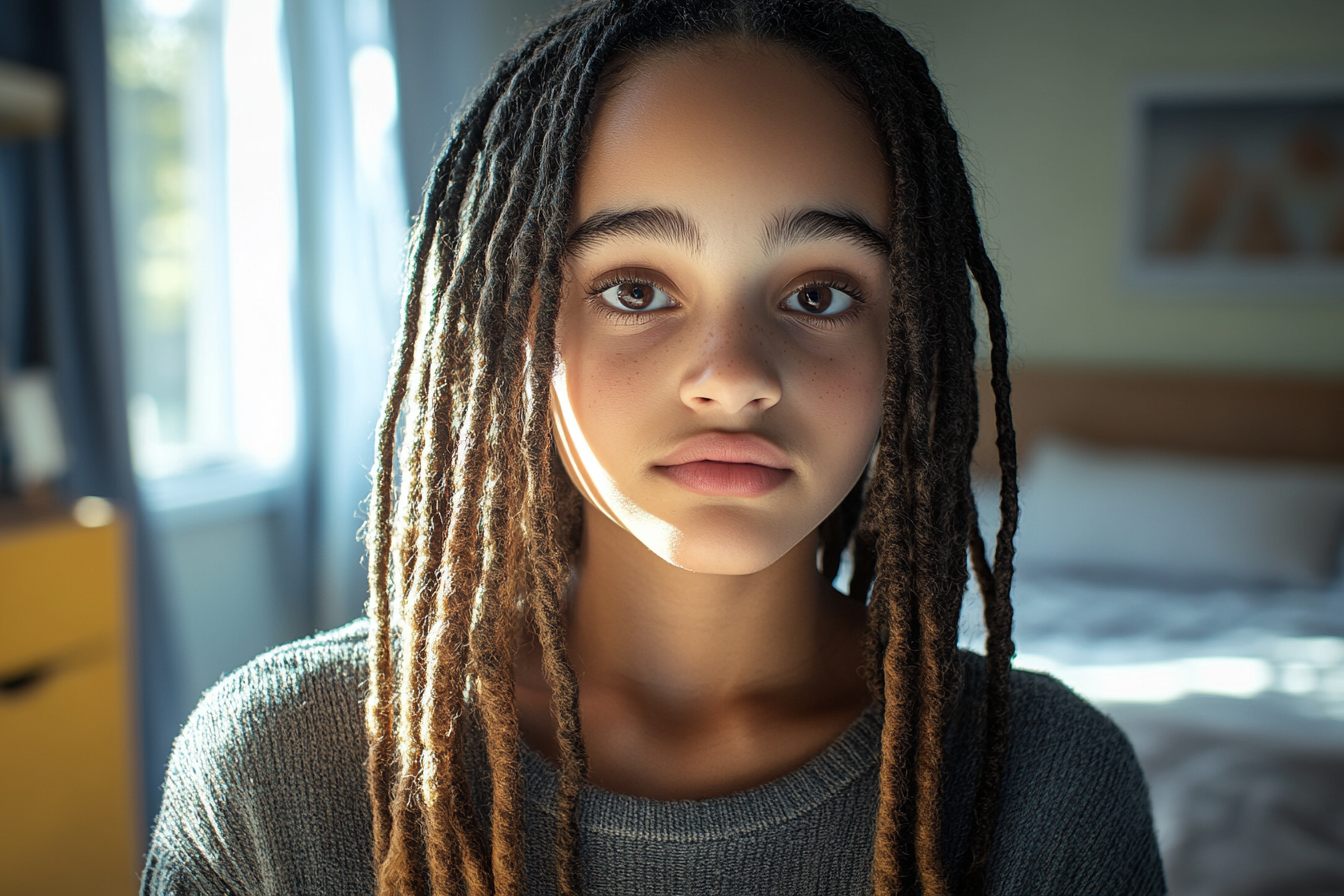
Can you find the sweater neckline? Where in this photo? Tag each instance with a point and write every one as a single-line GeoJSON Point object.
{"type": "Point", "coordinates": [821, 778]}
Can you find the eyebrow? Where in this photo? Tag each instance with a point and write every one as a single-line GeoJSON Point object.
{"type": "Point", "coordinates": [664, 224]}
{"type": "Point", "coordinates": [671, 226]}
{"type": "Point", "coordinates": [817, 224]}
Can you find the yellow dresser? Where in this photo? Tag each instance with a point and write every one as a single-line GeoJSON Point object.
{"type": "Point", "coordinates": [69, 811]}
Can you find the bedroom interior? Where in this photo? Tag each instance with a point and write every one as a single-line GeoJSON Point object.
{"type": "Point", "coordinates": [1182, 447]}
{"type": "Point", "coordinates": [1179, 564]}
{"type": "Point", "coordinates": [1230, 689]}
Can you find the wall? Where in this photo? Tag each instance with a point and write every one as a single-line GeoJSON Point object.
{"type": "Point", "coordinates": [224, 581]}
{"type": "Point", "coordinates": [1038, 88]}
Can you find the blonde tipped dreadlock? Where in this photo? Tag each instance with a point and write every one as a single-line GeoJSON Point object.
{"type": "Point", "coordinates": [476, 538]}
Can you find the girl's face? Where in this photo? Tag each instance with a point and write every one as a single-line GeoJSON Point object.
{"type": "Point", "coordinates": [722, 339]}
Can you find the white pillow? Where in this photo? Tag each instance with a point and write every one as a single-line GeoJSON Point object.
{"type": "Point", "coordinates": [1187, 519]}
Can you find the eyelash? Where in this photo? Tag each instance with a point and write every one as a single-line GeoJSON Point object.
{"type": "Point", "coordinates": [597, 287]}
{"type": "Point", "coordinates": [831, 320]}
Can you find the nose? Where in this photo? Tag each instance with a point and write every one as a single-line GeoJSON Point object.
{"type": "Point", "coordinates": [733, 371]}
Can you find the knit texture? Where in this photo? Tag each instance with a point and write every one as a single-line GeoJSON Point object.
{"type": "Point", "coordinates": [265, 794]}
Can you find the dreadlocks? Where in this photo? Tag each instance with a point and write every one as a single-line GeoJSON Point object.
{"type": "Point", "coordinates": [472, 531]}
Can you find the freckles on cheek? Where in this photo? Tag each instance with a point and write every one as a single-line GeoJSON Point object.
{"type": "Point", "coordinates": [606, 388]}
{"type": "Point", "coordinates": [847, 374]}
{"type": "Point", "coordinates": [846, 392]}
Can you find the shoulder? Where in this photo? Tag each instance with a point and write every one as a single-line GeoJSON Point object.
{"type": "Point", "coordinates": [1049, 724]}
{"type": "Point", "coordinates": [1074, 813]}
{"type": "Point", "coordinates": [1054, 727]}
{"type": "Point", "coordinates": [271, 763]}
{"type": "Point", "coordinates": [1069, 755]}
{"type": "Point", "coordinates": [277, 708]}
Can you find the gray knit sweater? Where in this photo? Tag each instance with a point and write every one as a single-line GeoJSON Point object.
{"type": "Point", "coordinates": [265, 794]}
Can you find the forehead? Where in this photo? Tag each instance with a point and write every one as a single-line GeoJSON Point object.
{"type": "Point", "coordinates": [731, 127]}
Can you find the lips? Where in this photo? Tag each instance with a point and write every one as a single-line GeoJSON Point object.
{"type": "Point", "coordinates": [727, 464]}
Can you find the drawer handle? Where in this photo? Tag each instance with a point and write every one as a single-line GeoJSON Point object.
{"type": "Point", "coordinates": [22, 681]}
{"type": "Point", "coordinates": [25, 680]}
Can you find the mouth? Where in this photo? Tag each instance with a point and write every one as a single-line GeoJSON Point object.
{"type": "Point", "coordinates": [739, 465]}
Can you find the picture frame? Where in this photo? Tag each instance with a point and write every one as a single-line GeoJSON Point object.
{"type": "Point", "coordinates": [1235, 185]}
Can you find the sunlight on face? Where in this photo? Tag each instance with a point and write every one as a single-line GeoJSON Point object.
{"type": "Point", "coordinates": [722, 341]}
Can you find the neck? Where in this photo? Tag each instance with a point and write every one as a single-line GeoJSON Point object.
{"type": "Point", "coordinates": [645, 631]}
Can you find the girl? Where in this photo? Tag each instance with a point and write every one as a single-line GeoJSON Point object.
{"type": "Point", "coordinates": [689, 320]}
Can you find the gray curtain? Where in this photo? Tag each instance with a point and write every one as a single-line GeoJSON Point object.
{"type": "Point", "coordinates": [443, 53]}
{"type": "Point", "coordinates": [445, 49]}
{"type": "Point", "coordinates": [350, 261]}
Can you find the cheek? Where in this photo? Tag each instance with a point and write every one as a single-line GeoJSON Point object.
{"type": "Point", "coordinates": [606, 392]}
{"type": "Point", "coordinates": [845, 396]}
{"type": "Point", "coordinates": [610, 392]}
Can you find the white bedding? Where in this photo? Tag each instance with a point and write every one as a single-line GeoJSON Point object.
{"type": "Point", "coordinates": [1199, 602]}
{"type": "Point", "coordinates": [1130, 643]}
{"type": "Point", "coordinates": [1234, 700]}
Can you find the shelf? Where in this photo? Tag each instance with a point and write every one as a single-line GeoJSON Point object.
{"type": "Point", "coordinates": [32, 101]}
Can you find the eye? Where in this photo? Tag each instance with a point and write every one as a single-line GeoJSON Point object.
{"type": "Point", "coordinates": [635, 295]}
{"type": "Point", "coordinates": [819, 300]}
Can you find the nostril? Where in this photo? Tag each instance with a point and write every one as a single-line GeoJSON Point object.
{"type": "Point", "coordinates": [732, 383]}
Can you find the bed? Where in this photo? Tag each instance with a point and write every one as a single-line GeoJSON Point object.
{"type": "Point", "coordinates": [1180, 565]}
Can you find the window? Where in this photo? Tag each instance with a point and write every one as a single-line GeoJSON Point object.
{"type": "Point", "coordinates": [202, 168]}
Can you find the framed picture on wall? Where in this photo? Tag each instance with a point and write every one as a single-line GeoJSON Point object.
{"type": "Point", "coordinates": [1236, 185]}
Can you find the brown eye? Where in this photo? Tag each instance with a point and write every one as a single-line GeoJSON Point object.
{"type": "Point", "coordinates": [815, 298]}
{"type": "Point", "coordinates": [819, 300]}
{"type": "Point", "coordinates": [635, 295]}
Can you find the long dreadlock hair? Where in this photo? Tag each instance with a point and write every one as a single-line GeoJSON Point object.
{"type": "Point", "coordinates": [471, 535]}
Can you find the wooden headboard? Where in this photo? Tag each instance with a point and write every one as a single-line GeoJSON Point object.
{"type": "Point", "coordinates": [1227, 415]}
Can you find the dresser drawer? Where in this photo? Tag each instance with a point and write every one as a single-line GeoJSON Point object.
{"type": "Point", "coordinates": [60, 592]}
{"type": "Point", "coordinates": [69, 822]}
{"type": "Point", "coordinates": [68, 801]}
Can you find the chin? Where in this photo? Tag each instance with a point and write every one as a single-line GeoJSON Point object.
{"type": "Point", "coordinates": [723, 545]}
